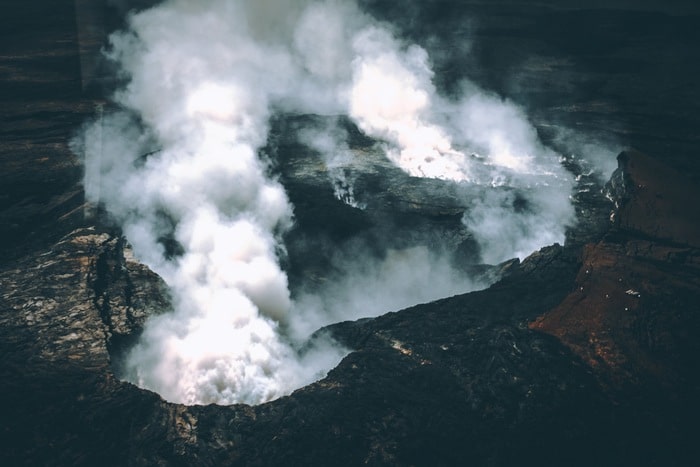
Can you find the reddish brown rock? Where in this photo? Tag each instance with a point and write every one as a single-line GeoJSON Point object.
{"type": "Point", "coordinates": [664, 204]}
{"type": "Point", "coordinates": [633, 313]}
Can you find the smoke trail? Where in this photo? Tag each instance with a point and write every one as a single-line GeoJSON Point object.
{"type": "Point", "coordinates": [493, 146]}
{"type": "Point", "coordinates": [331, 142]}
{"type": "Point", "coordinates": [371, 287]}
{"type": "Point", "coordinates": [205, 104]}
{"type": "Point", "coordinates": [201, 209]}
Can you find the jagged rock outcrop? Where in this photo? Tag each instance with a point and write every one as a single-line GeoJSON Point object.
{"type": "Point", "coordinates": [59, 313]}
{"type": "Point", "coordinates": [77, 297]}
{"type": "Point", "coordinates": [633, 309]}
{"type": "Point", "coordinates": [433, 384]}
{"type": "Point", "coordinates": [456, 381]}
{"type": "Point", "coordinates": [633, 313]}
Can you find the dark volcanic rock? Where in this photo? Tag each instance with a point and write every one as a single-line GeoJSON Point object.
{"type": "Point", "coordinates": [56, 329]}
{"type": "Point", "coordinates": [474, 351]}
{"type": "Point", "coordinates": [438, 384]}
{"type": "Point", "coordinates": [390, 210]}
{"type": "Point", "coordinates": [615, 317]}
{"type": "Point", "coordinates": [657, 201]}
{"type": "Point", "coordinates": [601, 376]}
{"type": "Point", "coordinates": [618, 72]}
{"type": "Point", "coordinates": [41, 104]}
{"type": "Point", "coordinates": [633, 315]}
{"type": "Point", "coordinates": [457, 381]}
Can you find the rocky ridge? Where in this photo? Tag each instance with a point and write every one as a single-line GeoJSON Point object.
{"type": "Point", "coordinates": [464, 379]}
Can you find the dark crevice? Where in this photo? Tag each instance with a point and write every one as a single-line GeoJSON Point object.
{"type": "Point", "coordinates": [111, 278]}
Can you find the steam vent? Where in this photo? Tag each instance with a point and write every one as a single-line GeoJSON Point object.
{"type": "Point", "coordinates": [349, 232]}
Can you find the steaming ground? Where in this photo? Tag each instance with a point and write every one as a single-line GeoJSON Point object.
{"type": "Point", "coordinates": [203, 80]}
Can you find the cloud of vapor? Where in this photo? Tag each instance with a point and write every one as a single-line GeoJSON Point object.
{"type": "Point", "coordinates": [479, 140]}
{"type": "Point", "coordinates": [367, 286]}
{"type": "Point", "coordinates": [203, 80]}
{"type": "Point", "coordinates": [201, 83]}
{"type": "Point", "coordinates": [390, 99]}
{"type": "Point", "coordinates": [528, 205]}
{"type": "Point", "coordinates": [330, 141]}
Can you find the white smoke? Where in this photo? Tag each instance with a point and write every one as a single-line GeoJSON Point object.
{"type": "Point", "coordinates": [330, 141]}
{"type": "Point", "coordinates": [483, 140]}
{"type": "Point", "coordinates": [204, 78]}
{"type": "Point", "coordinates": [201, 80]}
{"type": "Point", "coordinates": [390, 99]}
{"type": "Point", "coordinates": [372, 286]}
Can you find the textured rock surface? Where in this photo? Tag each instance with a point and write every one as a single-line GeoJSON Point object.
{"type": "Point", "coordinates": [58, 320]}
{"type": "Point", "coordinates": [41, 104]}
{"type": "Point", "coordinates": [634, 308]}
{"type": "Point", "coordinates": [442, 383]}
{"type": "Point", "coordinates": [633, 315]}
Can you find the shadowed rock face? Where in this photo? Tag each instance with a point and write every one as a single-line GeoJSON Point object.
{"type": "Point", "coordinates": [580, 355]}
{"type": "Point", "coordinates": [633, 315]}
{"type": "Point", "coordinates": [41, 104]}
{"type": "Point", "coordinates": [633, 311]}
{"type": "Point", "coordinates": [443, 383]}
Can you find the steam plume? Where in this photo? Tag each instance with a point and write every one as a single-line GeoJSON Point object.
{"type": "Point", "coordinates": [204, 78]}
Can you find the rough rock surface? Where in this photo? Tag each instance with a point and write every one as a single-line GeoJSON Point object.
{"type": "Point", "coordinates": [466, 363]}
{"type": "Point", "coordinates": [633, 315]}
{"type": "Point", "coordinates": [61, 310]}
{"type": "Point", "coordinates": [41, 105]}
